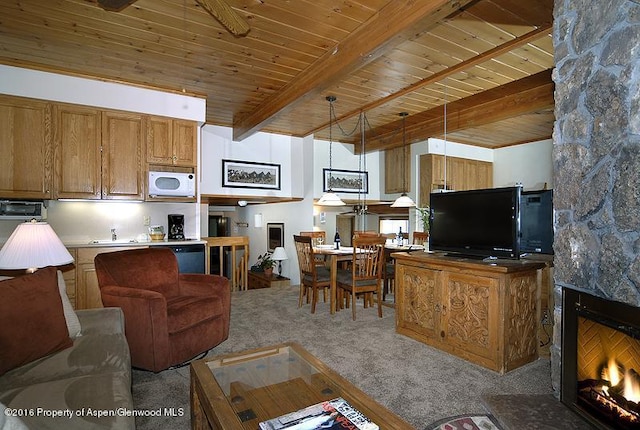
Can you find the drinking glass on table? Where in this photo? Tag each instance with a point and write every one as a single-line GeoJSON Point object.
{"type": "Point", "coordinates": [319, 240]}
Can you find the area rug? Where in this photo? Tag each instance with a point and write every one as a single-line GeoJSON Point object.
{"type": "Point", "coordinates": [466, 422]}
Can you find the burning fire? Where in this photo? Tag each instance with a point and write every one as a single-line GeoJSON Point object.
{"type": "Point", "coordinates": [613, 373]}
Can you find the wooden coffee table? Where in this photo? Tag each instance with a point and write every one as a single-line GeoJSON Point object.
{"type": "Point", "coordinates": [237, 391]}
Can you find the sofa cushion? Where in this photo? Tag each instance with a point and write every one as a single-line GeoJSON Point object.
{"type": "Point", "coordinates": [73, 324]}
{"type": "Point", "coordinates": [32, 323]}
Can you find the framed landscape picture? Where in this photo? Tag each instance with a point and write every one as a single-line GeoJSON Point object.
{"type": "Point", "coordinates": [248, 174]}
{"type": "Point", "coordinates": [345, 181]}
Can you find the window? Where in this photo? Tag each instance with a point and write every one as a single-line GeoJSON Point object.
{"type": "Point", "coordinates": [393, 225]}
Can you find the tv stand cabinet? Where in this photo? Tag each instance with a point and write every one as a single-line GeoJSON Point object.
{"type": "Point", "coordinates": [483, 312]}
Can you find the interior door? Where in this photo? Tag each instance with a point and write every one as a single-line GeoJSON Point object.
{"type": "Point", "coordinates": [344, 225]}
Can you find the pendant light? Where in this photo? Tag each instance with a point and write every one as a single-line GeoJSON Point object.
{"type": "Point", "coordinates": [404, 201]}
{"type": "Point", "coordinates": [329, 198]}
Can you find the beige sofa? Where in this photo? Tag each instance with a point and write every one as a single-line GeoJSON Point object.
{"type": "Point", "coordinates": [83, 386]}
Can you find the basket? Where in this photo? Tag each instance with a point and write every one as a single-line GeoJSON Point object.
{"type": "Point", "coordinates": [156, 236]}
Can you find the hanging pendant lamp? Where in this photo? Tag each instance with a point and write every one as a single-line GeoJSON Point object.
{"type": "Point", "coordinates": [404, 201]}
{"type": "Point", "coordinates": [329, 198]}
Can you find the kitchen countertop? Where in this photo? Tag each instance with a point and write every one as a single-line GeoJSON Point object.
{"type": "Point", "coordinates": [109, 243]}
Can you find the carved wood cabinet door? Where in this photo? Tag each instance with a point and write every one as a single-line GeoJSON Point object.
{"type": "Point", "coordinates": [418, 306]}
{"type": "Point", "coordinates": [471, 314]}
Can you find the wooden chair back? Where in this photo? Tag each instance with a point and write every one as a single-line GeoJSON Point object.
{"type": "Point", "coordinates": [368, 257]}
{"type": "Point", "coordinates": [420, 237]}
{"type": "Point", "coordinates": [304, 251]}
{"type": "Point", "coordinates": [315, 235]}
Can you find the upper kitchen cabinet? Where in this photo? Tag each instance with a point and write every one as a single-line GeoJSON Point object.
{"type": "Point", "coordinates": [26, 138]}
{"type": "Point", "coordinates": [98, 154]}
{"type": "Point", "coordinates": [122, 156]}
{"type": "Point", "coordinates": [462, 174]}
{"type": "Point", "coordinates": [77, 152]}
{"type": "Point", "coordinates": [171, 142]}
{"type": "Point", "coordinates": [397, 162]}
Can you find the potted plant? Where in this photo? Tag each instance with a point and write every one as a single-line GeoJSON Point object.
{"type": "Point", "coordinates": [266, 263]}
{"type": "Point", "coordinates": [424, 213]}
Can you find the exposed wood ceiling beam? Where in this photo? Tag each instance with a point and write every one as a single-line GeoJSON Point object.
{"type": "Point", "coordinates": [436, 77]}
{"type": "Point", "coordinates": [525, 95]}
{"type": "Point", "coordinates": [397, 22]}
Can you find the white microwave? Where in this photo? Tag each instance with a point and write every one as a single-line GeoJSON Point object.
{"type": "Point", "coordinates": [172, 184]}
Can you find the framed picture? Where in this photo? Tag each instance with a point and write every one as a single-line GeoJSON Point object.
{"type": "Point", "coordinates": [275, 235]}
{"type": "Point", "coordinates": [345, 181]}
{"type": "Point", "coordinates": [247, 174]}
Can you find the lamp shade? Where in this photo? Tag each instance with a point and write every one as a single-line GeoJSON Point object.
{"type": "Point", "coordinates": [404, 201]}
{"type": "Point", "coordinates": [279, 254]}
{"type": "Point", "coordinates": [33, 245]}
{"type": "Point", "coordinates": [330, 199]}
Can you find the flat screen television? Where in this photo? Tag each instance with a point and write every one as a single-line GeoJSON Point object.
{"type": "Point", "coordinates": [476, 223]}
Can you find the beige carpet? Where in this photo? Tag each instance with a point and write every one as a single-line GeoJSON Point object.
{"type": "Point", "coordinates": [419, 383]}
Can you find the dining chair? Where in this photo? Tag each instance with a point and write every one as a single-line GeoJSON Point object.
{"type": "Point", "coordinates": [312, 276]}
{"type": "Point", "coordinates": [365, 274]}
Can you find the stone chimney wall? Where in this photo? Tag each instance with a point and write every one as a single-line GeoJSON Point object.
{"type": "Point", "coordinates": [596, 153]}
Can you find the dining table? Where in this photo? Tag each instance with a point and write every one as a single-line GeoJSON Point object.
{"type": "Point", "coordinates": [345, 253]}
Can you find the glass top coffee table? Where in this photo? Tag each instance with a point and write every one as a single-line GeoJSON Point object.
{"type": "Point", "coordinates": [237, 391]}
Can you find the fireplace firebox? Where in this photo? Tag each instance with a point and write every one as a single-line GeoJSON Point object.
{"type": "Point", "coordinates": [601, 360]}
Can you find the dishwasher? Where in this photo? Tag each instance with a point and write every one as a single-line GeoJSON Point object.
{"type": "Point", "coordinates": [190, 257]}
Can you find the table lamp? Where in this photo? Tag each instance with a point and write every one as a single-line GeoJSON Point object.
{"type": "Point", "coordinates": [278, 255]}
{"type": "Point", "coordinates": [31, 246]}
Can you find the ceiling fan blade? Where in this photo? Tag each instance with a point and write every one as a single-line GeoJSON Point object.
{"type": "Point", "coordinates": [115, 5]}
{"type": "Point", "coordinates": [221, 11]}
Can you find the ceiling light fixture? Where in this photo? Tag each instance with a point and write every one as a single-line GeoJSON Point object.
{"type": "Point", "coordinates": [404, 201]}
{"type": "Point", "coordinates": [329, 198]}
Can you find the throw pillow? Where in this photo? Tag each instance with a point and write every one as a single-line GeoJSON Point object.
{"type": "Point", "coordinates": [32, 323]}
{"type": "Point", "coordinates": [70, 316]}
{"type": "Point", "coordinates": [73, 323]}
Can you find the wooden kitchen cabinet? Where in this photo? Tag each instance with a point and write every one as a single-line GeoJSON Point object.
{"type": "Point", "coordinates": [462, 174]}
{"type": "Point", "coordinates": [393, 180]}
{"type": "Point", "coordinates": [122, 156]}
{"type": "Point", "coordinates": [26, 142]}
{"type": "Point", "coordinates": [77, 152]}
{"type": "Point", "coordinates": [482, 312]}
{"type": "Point", "coordinates": [171, 142]}
{"type": "Point", "coordinates": [87, 289]}
{"type": "Point", "coordinates": [98, 154]}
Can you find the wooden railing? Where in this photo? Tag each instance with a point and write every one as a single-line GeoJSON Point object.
{"type": "Point", "coordinates": [240, 266]}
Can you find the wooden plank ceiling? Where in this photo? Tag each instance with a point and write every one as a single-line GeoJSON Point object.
{"type": "Point", "coordinates": [486, 63]}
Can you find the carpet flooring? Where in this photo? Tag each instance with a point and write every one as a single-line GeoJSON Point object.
{"type": "Point", "coordinates": [419, 383]}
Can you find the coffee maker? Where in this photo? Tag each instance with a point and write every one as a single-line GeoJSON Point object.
{"type": "Point", "coordinates": [176, 227]}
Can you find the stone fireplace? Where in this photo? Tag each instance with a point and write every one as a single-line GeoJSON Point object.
{"type": "Point", "coordinates": [601, 360]}
{"type": "Point", "coordinates": [596, 173]}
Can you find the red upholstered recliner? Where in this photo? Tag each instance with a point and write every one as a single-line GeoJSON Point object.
{"type": "Point", "coordinates": [169, 317]}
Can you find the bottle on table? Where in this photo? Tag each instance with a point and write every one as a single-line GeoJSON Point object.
{"type": "Point", "coordinates": [336, 240]}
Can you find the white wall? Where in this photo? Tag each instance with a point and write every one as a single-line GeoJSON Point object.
{"type": "Point", "coordinates": [529, 164]}
{"type": "Point", "coordinates": [218, 144]}
{"type": "Point", "coordinates": [343, 157]}
{"type": "Point", "coordinates": [35, 84]}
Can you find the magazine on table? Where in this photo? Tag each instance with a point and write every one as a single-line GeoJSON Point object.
{"type": "Point", "coordinates": [331, 414]}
